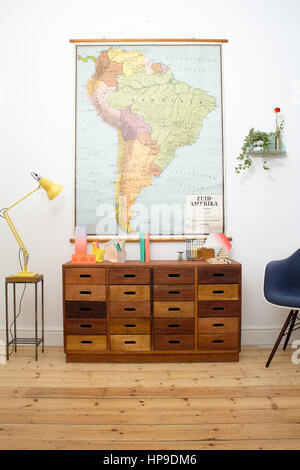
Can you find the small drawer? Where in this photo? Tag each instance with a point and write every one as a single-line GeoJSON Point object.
{"type": "Point", "coordinates": [173, 309]}
{"type": "Point", "coordinates": [129, 309]}
{"type": "Point", "coordinates": [129, 326]}
{"type": "Point", "coordinates": [129, 275]}
{"type": "Point", "coordinates": [218, 291]}
{"type": "Point", "coordinates": [174, 326]}
{"type": "Point", "coordinates": [173, 275]}
{"type": "Point", "coordinates": [218, 308]}
{"type": "Point", "coordinates": [86, 342]}
{"type": "Point", "coordinates": [84, 275]}
{"type": "Point", "coordinates": [130, 342]}
{"type": "Point", "coordinates": [95, 326]}
{"type": "Point", "coordinates": [85, 309]}
{"type": "Point", "coordinates": [219, 274]}
{"type": "Point", "coordinates": [174, 342]}
{"type": "Point", "coordinates": [218, 325]}
{"type": "Point", "coordinates": [131, 293]}
{"type": "Point", "coordinates": [174, 293]}
{"type": "Point", "coordinates": [85, 292]}
{"type": "Point", "coordinates": [218, 341]}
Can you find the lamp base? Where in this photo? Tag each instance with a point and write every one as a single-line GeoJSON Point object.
{"type": "Point", "coordinates": [25, 274]}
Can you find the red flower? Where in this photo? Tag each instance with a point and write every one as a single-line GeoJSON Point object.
{"type": "Point", "coordinates": [276, 110]}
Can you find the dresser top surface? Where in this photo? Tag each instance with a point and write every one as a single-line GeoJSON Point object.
{"type": "Point", "coordinates": [153, 263]}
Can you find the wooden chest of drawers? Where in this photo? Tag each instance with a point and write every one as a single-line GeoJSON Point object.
{"type": "Point", "coordinates": [161, 311]}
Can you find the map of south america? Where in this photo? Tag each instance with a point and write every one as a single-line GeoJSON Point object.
{"type": "Point", "coordinates": [153, 115]}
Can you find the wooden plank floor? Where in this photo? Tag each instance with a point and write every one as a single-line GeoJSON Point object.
{"type": "Point", "coordinates": [53, 405]}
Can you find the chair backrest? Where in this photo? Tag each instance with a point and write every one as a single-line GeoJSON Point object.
{"type": "Point", "coordinates": [283, 274]}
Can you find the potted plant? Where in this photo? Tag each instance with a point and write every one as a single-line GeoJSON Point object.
{"type": "Point", "coordinates": [258, 141]}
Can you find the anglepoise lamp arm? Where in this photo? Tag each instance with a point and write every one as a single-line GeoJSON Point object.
{"type": "Point", "coordinates": [52, 191]}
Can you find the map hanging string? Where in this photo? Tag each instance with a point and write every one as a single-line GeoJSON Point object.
{"type": "Point", "coordinates": [149, 22]}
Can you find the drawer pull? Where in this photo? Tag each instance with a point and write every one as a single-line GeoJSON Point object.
{"type": "Point", "coordinates": [173, 309]}
{"type": "Point", "coordinates": [174, 341]}
{"type": "Point", "coordinates": [84, 275]}
{"type": "Point", "coordinates": [85, 309]}
{"type": "Point", "coordinates": [218, 341]}
{"type": "Point", "coordinates": [130, 309]}
{"type": "Point", "coordinates": [130, 326]}
{"type": "Point", "coordinates": [85, 326]}
{"type": "Point", "coordinates": [173, 275]}
{"type": "Point", "coordinates": [173, 292]}
{"type": "Point", "coordinates": [129, 342]}
{"type": "Point", "coordinates": [85, 292]}
{"type": "Point", "coordinates": [86, 342]}
{"type": "Point", "coordinates": [129, 275]}
{"type": "Point", "coordinates": [218, 292]}
{"type": "Point", "coordinates": [173, 326]}
{"type": "Point", "coordinates": [218, 308]}
{"type": "Point", "coordinates": [130, 293]}
{"type": "Point", "coordinates": [218, 324]}
{"type": "Point", "coordinates": [218, 274]}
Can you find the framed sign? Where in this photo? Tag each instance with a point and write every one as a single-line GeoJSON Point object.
{"type": "Point", "coordinates": [149, 137]}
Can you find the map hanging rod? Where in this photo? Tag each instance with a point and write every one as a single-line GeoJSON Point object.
{"type": "Point", "coordinates": [150, 40]}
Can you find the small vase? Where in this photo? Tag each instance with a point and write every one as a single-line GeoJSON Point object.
{"type": "Point", "coordinates": [277, 142]}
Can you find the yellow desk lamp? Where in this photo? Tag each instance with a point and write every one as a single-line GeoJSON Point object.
{"type": "Point", "coordinates": [52, 191]}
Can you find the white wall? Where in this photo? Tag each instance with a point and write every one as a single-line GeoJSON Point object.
{"type": "Point", "coordinates": [261, 71]}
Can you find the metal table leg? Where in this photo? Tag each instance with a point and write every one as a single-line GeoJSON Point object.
{"type": "Point", "coordinates": [6, 320]}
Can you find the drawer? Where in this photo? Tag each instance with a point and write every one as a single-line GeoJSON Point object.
{"type": "Point", "coordinates": [219, 274]}
{"type": "Point", "coordinates": [130, 342]}
{"type": "Point", "coordinates": [174, 342]}
{"type": "Point", "coordinates": [85, 309]}
{"type": "Point", "coordinates": [218, 341]}
{"type": "Point", "coordinates": [129, 326]}
{"type": "Point", "coordinates": [174, 326]}
{"type": "Point", "coordinates": [174, 309]}
{"type": "Point", "coordinates": [86, 342]}
{"type": "Point", "coordinates": [84, 326]}
{"type": "Point", "coordinates": [131, 293]}
{"type": "Point", "coordinates": [174, 275]}
{"type": "Point", "coordinates": [84, 275]}
{"type": "Point", "coordinates": [218, 308]}
{"type": "Point", "coordinates": [218, 325]}
{"type": "Point", "coordinates": [85, 292]}
{"type": "Point", "coordinates": [218, 291]}
{"type": "Point", "coordinates": [129, 309]}
{"type": "Point", "coordinates": [129, 275]}
{"type": "Point", "coordinates": [174, 293]}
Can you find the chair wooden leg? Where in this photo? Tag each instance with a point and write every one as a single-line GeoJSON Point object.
{"type": "Point", "coordinates": [290, 328]}
{"type": "Point", "coordinates": [286, 324]}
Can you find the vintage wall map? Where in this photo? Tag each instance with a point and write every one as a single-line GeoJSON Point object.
{"type": "Point", "coordinates": [148, 136]}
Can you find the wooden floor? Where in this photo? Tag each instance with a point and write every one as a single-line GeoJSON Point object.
{"type": "Point", "coordinates": [53, 405]}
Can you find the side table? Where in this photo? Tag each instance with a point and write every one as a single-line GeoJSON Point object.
{"type": "Point", "coordinates": [36, 340]}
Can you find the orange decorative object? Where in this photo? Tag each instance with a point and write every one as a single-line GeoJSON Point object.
{"type": "Point", "coordinates": [81, 256]}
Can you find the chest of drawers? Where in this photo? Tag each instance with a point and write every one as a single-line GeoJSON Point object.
{"type": "Point", "coordinates": [160, 311]}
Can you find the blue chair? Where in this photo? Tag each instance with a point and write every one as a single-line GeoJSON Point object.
{"type": "Point", "coordinates": [282, 288]}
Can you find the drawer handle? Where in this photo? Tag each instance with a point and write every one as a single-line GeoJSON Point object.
{"type": "Point", "coordinates": [218, 274]}
{"type": "Point", "coordinates": [85, 292]}
{"type": "Point", "coordinates": [218, 308]}
{"type": "Point", "coordinates": [85, 309]}
{"type": "Point", "coordinates": [130, 326]}
{"type": "Point", "coordinates": [174, 341]}
{"type": "Point", "coordinates": [86, 342]}
{"type": "Point", "coordinates": [173, 326]}
{"type": "Point", "coordinates": [218, 292]}
{"type": "Point", "coordinates": [173, 309]}
{"type": "Point", "coordinates": [129, 342]}
{"type": "Point", "coordinates": [218, 341]}
{"type": "Point", "coordinates": [130, 309]}
{"type": "Point", "coordinates": [173, 275]}
{"type": "Point", "coordinates": [84, 275]}
{"type": "Point", "coordinates": [129, 293]}
{"type": "Point", "coordinates": [218, 324]}
{"type": "Point", "coordinates": [173, 292]}
{"type": "Point", "coordinates": [129, 275]}
{"type": "Point", "coordinates": [85, 326]}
